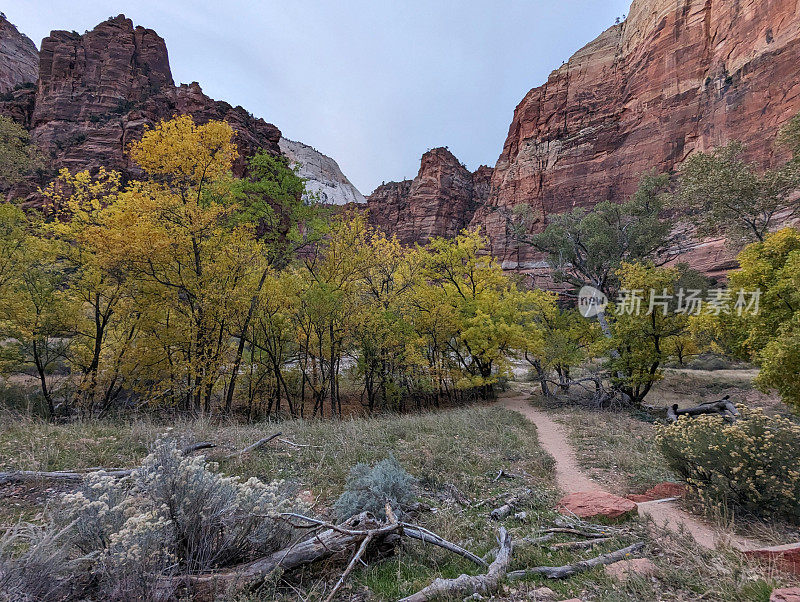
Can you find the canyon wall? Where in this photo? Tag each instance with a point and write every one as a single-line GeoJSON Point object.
{"type": "Point", "coordinates": [440, 201]}
{"type": "Point", "coordinates": [675, 77]}
{"type": "Point", "coordinates": [95, 93]}
{"type": "Point", "coordinates": [19, 58]}
{"type": "Point", "coordinates": [324, 178]}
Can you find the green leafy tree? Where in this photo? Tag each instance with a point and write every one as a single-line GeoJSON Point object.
{"type": "Point", "coordinates": [588, 247]}
{"type": "Point", "coordinates": [18, 157]}
{"type": "Point", "coordinates": [724, 195]}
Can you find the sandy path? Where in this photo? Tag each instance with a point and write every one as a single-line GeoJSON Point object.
{"type": "Point", "coordinates": [571, 479]}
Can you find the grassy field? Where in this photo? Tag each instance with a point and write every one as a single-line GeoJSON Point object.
{"type": "Point", "coordinates": [455, 457]}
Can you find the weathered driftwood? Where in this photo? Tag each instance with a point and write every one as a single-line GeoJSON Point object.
{"type": "Point", "coordinates": [562, 572]}
{"type": "Point", "coordinates": [425, 536]}
{"type": "Point", "coordinates": [334, 540]}
{"type": "Point", "coordinates": [724, 407]}
{"type": "Point", "coordinates": [363, 533]}
{"type": "Point", "coordinates": [470, 584]}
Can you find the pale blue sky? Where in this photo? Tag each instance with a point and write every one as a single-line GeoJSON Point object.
{"type": "Point", "coordinates": [374, 84]}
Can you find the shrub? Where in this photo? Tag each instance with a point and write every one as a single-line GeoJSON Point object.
{"type": "Point", "coordinates": [752, 464]}
{"type": "Point", "coordinates": [172, 515]}
{"type": "Point", "coordinates": [370, 489]}
{"type": "Point", "coordinates": [32, 565]}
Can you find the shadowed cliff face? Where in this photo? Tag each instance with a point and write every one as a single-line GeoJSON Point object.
{"type": "Point", "coordinates": [19, 59]}
{"type": "Point", "coordinates": [440, 201]}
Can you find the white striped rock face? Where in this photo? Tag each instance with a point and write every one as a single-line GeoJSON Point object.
{"type": "Point", "coordinates": [322, 174]}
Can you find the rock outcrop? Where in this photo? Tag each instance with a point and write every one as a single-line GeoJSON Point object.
{"type": "Point", "coordinates": [324, 178]}
{"type": "Point", "coordinates": [791, 594]}
{"type": "Point", "coordinates": [19, 58]}
{"type": "Point", "coordinates": [96, 93]}
{"type": "Point", "coordinates": [440, 201]}
{"type": "Point", "coordinates": [675, 77]}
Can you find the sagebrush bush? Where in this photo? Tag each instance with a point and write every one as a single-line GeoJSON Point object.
{"type": "Point", "coordinates": [33, 563]}
{"type": "Point", "coordinates": [751, 464]}
{"type": "Point", "coordinates": [370, 489]}
{"type": "Point", "coordinates": [174, 515]}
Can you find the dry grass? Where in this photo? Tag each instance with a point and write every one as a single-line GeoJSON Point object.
{"type": "Point", "coordinates": [455, 455]}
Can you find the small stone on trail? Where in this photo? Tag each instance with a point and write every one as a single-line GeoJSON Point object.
{"type": "Point", "coordinates": [521, 516]}
{"type": "Point", "coordinates": [594, 504]}
{"type": "Point", "coordinates": [661, 491]}
{"type": "Point", "coordinates": [542, 594]}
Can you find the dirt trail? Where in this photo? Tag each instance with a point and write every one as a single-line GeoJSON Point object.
{"type": "Point", "coordinates": [571, 479]}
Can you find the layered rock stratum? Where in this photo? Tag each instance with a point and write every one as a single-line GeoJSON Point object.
{"type": "Point", "coordinates": [19, 58]}
{"type": "Point", "coordinates": [324, 179]}
{"type": "Point", "coordinates": [440, 201]}
{"type": "Point", "coordinates": [675, 77]}
{"type": "Point", "coordinates": [96, 92]}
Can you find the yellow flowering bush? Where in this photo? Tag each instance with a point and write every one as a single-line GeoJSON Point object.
{"type": "Point", "coordinates": [752, 464]}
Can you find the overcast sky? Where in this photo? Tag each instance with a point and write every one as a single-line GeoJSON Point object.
{"type": "Point", "coordinates": [373, 84]}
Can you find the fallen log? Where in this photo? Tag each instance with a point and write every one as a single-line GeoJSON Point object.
{"type": "Point", "coordinates": [335, 540]}
{"type": "Point", "coordinates": [724, 407]}
{"type": "Point", "coordinates": [76, 476]}
{"type": "Point", "coordinates": [249, 448]}
{"type": "Point", "coordinates": [470, 584]}
{"type": "Point", "coordinates": [562, 572]}
{"type": "Point", "coordinates": [363, 533]}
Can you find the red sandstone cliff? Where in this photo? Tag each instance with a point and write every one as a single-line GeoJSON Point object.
{"type": "Point", "coordinates": [19, 59]}
{"type": "Point", "coordinates": [96, 92]}
{"type": "Point", "coordinates": [675, 77]}
{"type": "Point", "coordinates": [440, 201]}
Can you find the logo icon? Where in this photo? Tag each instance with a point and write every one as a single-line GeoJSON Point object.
{"type": "Point", "coordinates": [591, 302]}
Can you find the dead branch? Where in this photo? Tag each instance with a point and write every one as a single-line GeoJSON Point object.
{"type": "Point", "coordinates": [293, 444]}
{"type": "Point", "coordinates": [562, 572]}
{"type": "Point", "coordinates": [78, 474]}
{"type": "Point", "coordinates": [724, 407]}
{"type": "Point", "coordinates": [425, 536]}
{"type": "Point", "coordinates": [506, 509]}
{"type": "Point", "coordinates": [190, 449]}
{"type": "Point", "coordinates": [350, 534]}
{"type": "Point", "coordinates": [469, 584]}
{"type": "Point", "coordinates": [579, 532]}
{"type": "Point", "coordinates": [249, 448]}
